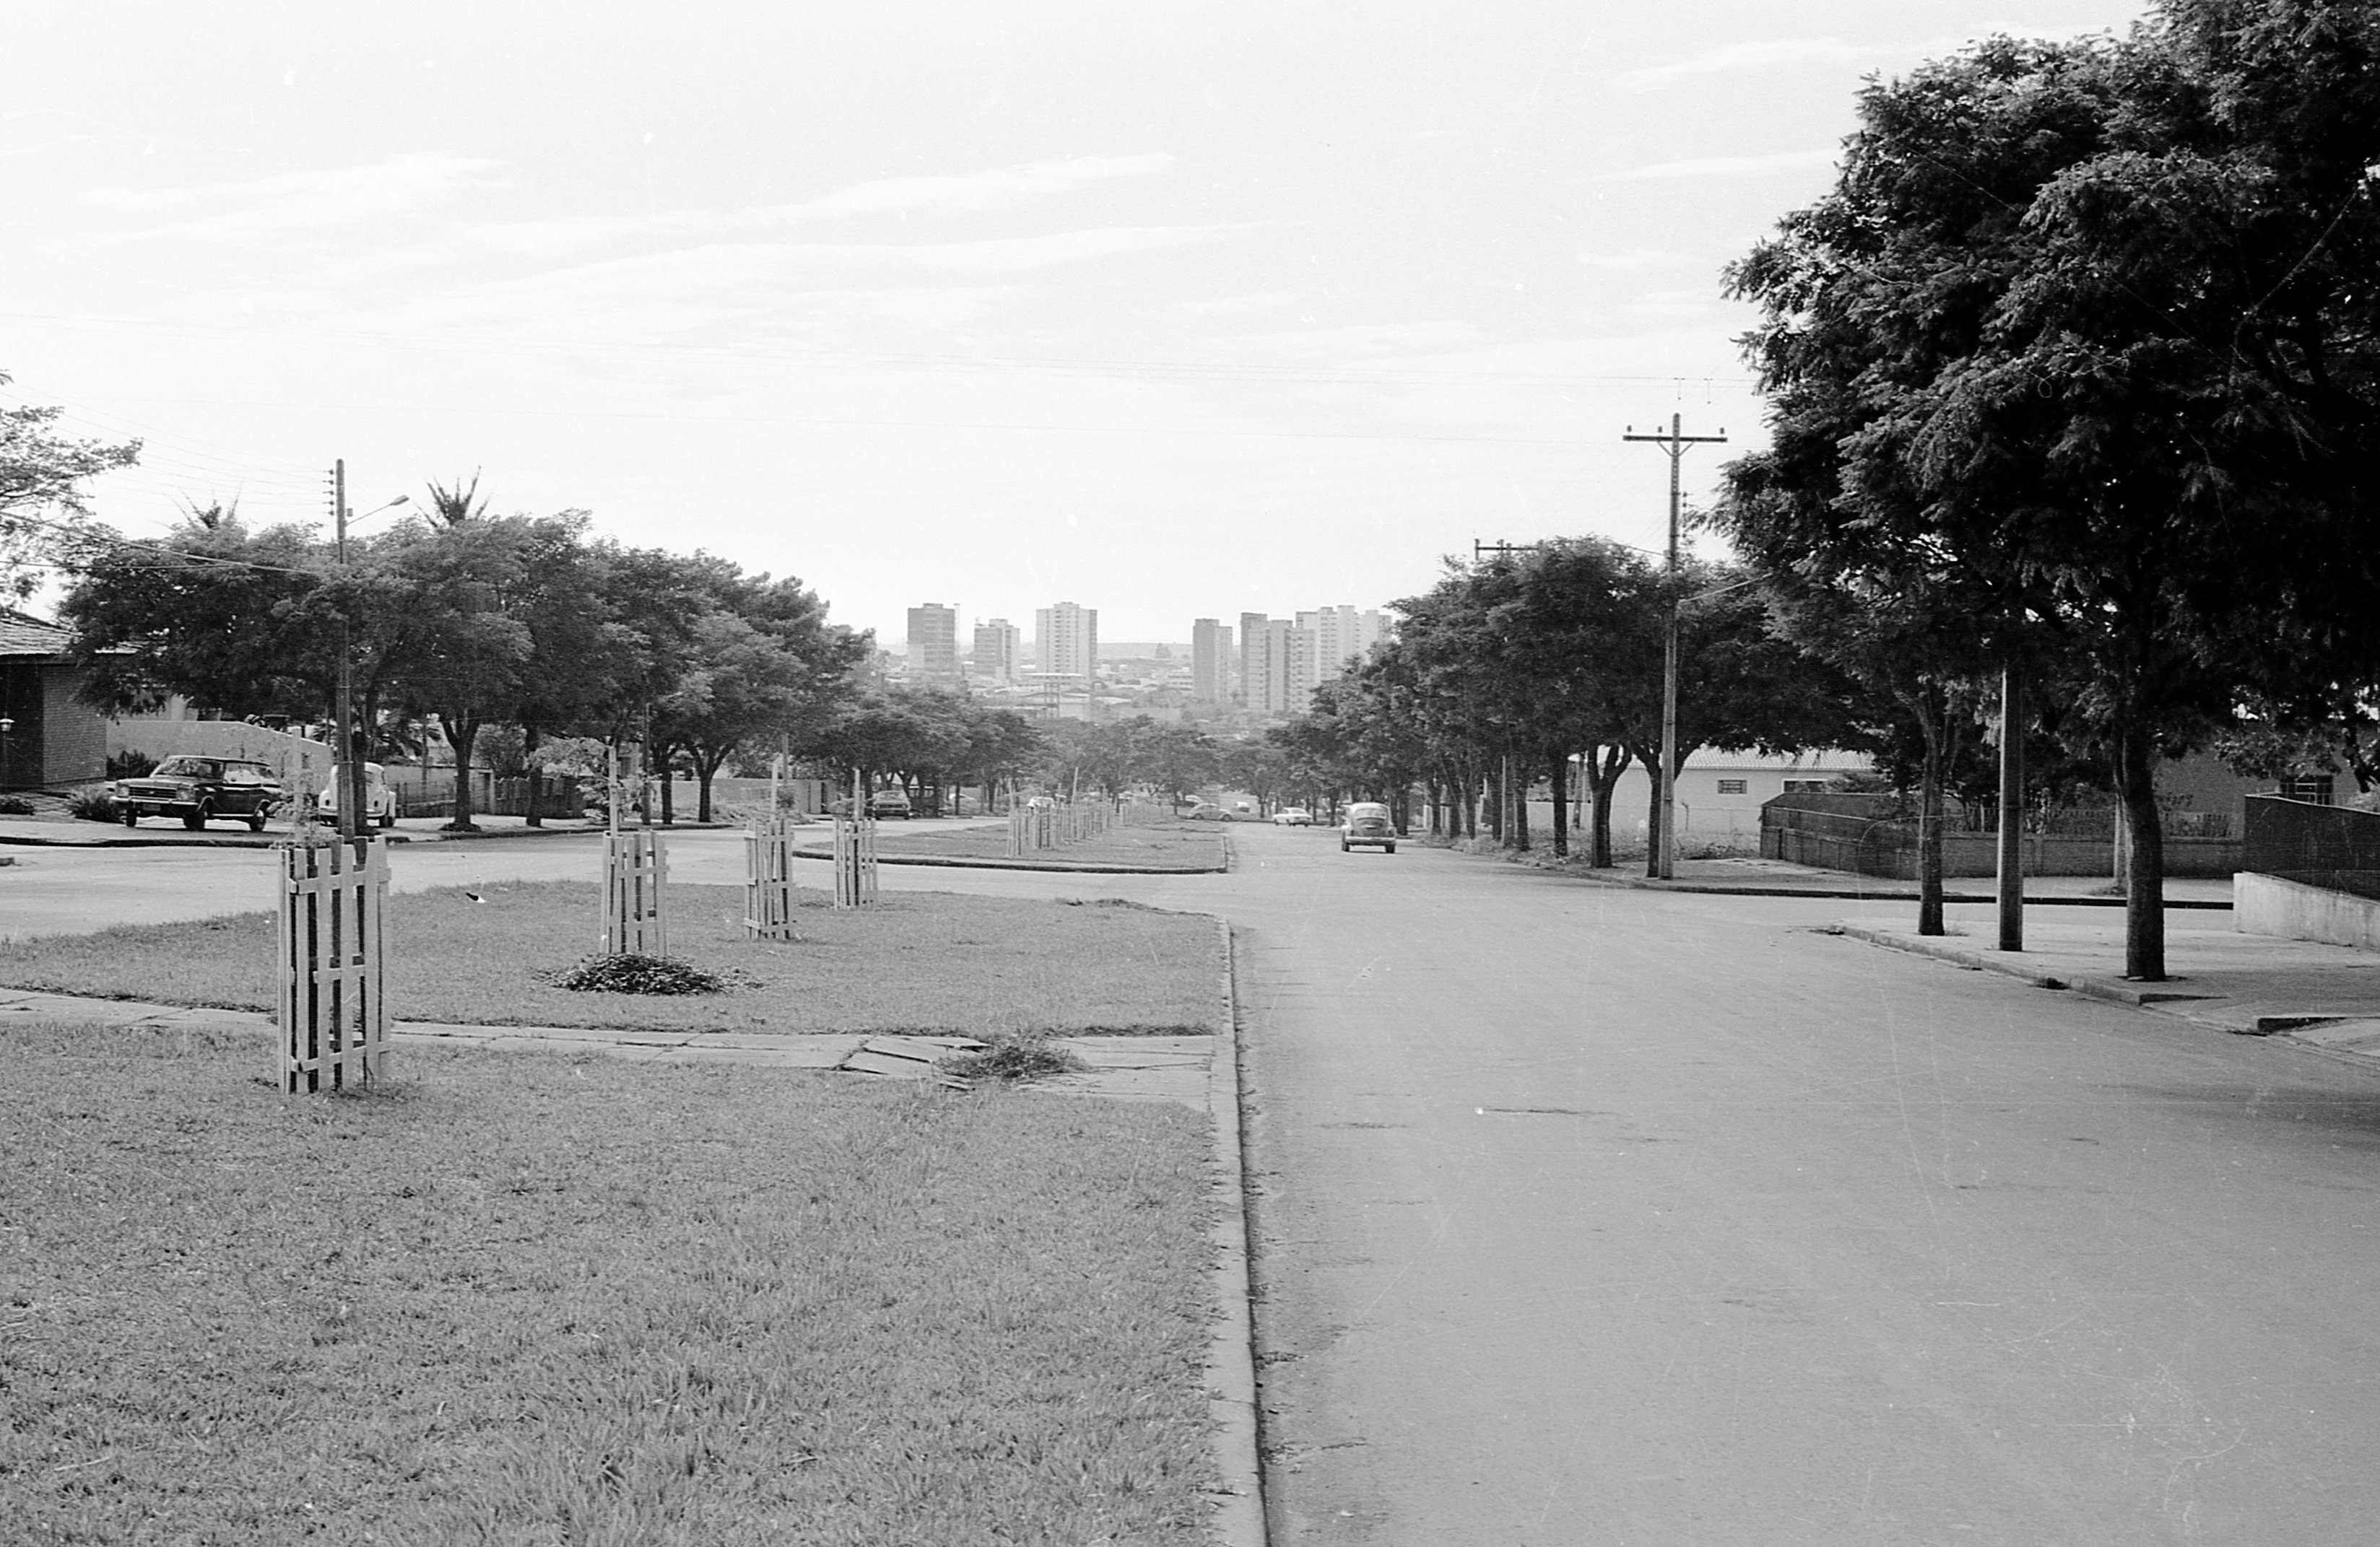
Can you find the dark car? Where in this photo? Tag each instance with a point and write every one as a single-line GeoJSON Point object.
{"type": "Point", "coordinates": [889, 802]}
{"type": "Point", "coordinates": [199, 790]}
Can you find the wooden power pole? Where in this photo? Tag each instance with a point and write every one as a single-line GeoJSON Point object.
{"type": "Point", "coordinates": [1662, 862]}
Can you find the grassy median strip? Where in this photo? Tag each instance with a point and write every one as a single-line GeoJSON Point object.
{"type": "Point", "coordinates": [1179, 846]}
{"type": "Point", "coordinates": [527, 1298]}
{"type": "Point", "coordinates": [921, 961]}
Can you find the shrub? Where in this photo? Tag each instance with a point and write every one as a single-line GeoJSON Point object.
{"type": "Point", "coordinates": [629, 972]}
{"type": "Point", "coordinates": [1013, 1056]}
{"type": "Point", "coordinates": [129, 764]}
{"type": "Point", "coordinates": [15, 805]}
{"type": "Point", "coordinates": [92, 802]}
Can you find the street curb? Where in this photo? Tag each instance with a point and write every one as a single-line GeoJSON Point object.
{"type": "Point", "coordinates": [1231, 1352]}
{"type": "Point", "coordinates": [2113, 990]}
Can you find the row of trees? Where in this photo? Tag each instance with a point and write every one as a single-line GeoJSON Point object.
{"type": "Point", "coordinates": [1506, 673]}
{"type": "Point", "coordinates": [2076, 372]}
{"type": "Point", "coordinates": [479, 621]}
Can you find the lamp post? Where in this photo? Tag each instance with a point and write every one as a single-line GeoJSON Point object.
{"type": "Point", "coordinates": [350, 737]}
{"type": "Point", "coordinates": [6, 725]}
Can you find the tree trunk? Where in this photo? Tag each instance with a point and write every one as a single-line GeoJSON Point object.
{"type": "Point", "coordinates": [1929, 828]}
{"type": "Point", "coordinates": [1651, 760]}
{"type": "Point", "coordinates": [1561, 805]}
{"type": "Point", "coordinates": [1516, 774]}
{"type": "Point", "coordinates": [2144, 877]}
{"type": "Point", "coordinates": [1495, 783]}
{"type": "Point", "coordinates": [460, 733]}
{"type": "Point", "coordinates": [530, 739]}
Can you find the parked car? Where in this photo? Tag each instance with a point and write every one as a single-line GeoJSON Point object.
{"type": "Point", "coordinates": [1292, 816]}
{"type": "Point", "coordinates": [1202, 812]}
{"type": "Point", "coordinates": [889, 802]}
{"type": "Point", "coordinates": [199, 790]}
{"type": "Point", "coordinates": [1368, 826]}
{"type": "Point", "coordinates": [380, 800]}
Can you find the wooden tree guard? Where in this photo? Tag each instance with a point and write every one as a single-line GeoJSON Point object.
{"type": "Point", "coordinates": [855, 862]}
{"type": "Point", "coordinates": [768, 880]}
{"type": "Point", "coordinates": [333, 1013]}
{"type": "Point", "coordinates": [635, 922]}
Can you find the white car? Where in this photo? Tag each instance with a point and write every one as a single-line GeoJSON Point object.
{"type": "Point", "coordinates": [1292, 816]}
{"type": "Point", "coordinates": [379, 801]}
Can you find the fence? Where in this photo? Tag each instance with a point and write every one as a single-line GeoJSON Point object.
{"type": "Point", "coordinates": [768, 880]}
{"type": "Point", "coordinates": [2335, 848]}
{"type": "Point", "coordinates": [636, 921]}
{"type": "Point", "coordinates": [855, 862]}
{"type": "Point", "coordinates": [333, 1013]}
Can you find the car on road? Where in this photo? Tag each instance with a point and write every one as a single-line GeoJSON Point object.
{"type": "Point", "coordinates": [889, 802]}
{"type": "Point", "coordinates": [379, 801]}
{"type": "Point", "coordinates": [200, 790]}
{"type": "Point", "coordinates": [1368, 827]}
{"type": "Point", "coordinates": [1204, 811]}
{"type": "Point", "coordinates": [1292, 816]}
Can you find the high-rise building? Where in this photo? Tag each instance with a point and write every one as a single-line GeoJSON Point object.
{"type": "Point", "coordinates": [934, 643]}
{"type": "Point", "coordinates": [1210, 662]}
{"type": "Point", "coordinates": [1066, 640]}
{"type": "Point", "coordinates": [998, 650]}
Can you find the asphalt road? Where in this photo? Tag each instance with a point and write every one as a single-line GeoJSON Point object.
{"type": "Point", "coordinates": [1587, 1215]}
{"type": "Point", "coordinates": [1592, 1215]}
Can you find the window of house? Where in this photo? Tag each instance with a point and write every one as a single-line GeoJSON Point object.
{"type": "Point", "coordinates": [1805, 786]}
{"type": "Point", "coordinates": [1735, 787]}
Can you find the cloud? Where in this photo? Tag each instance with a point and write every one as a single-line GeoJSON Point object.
{"type": "Point", "coordinates": [1741, 57]}
{"type": "Point", "coordinates": [269, 207]}
{"type": "Point", "coordinates": [990, 189]}
{"type": "Point", "coordinates": [1724, 167]}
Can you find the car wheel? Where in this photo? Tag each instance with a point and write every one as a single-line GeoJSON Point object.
{"type": "Point", "coordinates": [1344, 846]}
{"type": "Point", "coordinates": [131, 816]}
{"type": "Point", "coordinates": [256, 820]}
{"type": "Point", "coordinates": [1392, 848]}
{"type": "Point", "coordinates": [387, 820]}
{"type": "Point", "coordinates": [197, 819]}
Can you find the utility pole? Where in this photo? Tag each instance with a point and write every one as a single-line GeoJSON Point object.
{"type": "Point", "coordinates": [1662, 863]}
{"type": "Point", "coordinates": [344, 698]}
{"type": "Point", "coordinates": [2011, 845]}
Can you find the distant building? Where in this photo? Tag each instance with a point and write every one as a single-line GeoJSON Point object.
{"type": "Point", "coordinates": [1210, 662]}
{"type": "Point", "coordinates": [1283, 660]}
{"type": "Point", "coordinates": [998, 650]}
{"type": "Point", "coordinates": [934, 643]}
{"type": "Point", "coordinates": [1066, 640]}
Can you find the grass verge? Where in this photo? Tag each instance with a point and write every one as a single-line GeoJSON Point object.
{"type": "Point", "coordinates": [529, 1300]}
{"type": "Point", "coordinates": [920, 961]}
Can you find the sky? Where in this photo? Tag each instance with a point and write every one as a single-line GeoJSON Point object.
{"type": "Point", "coordinates": [1174, 310]}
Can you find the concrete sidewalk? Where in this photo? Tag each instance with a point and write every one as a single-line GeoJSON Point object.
{"type": "Point", "coordinates": [1750, 876]}
{"type": "Point", "coordinates": [2325, 996]}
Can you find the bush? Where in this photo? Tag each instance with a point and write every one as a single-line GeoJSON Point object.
{"type": "Point", "coordinates": [130, 765]}
{"type": "Point", "coordinates": [627, 972]}
{"type": "Point", "coordinates": [15, 805]}
{"type": "Point", "coordinates": [1013, 1056]}
{"type": "Point", "coordinates": [92, 802]}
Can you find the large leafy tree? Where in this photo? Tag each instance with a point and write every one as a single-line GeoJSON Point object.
{"type": "Point", "coordinates": [2087, 327]}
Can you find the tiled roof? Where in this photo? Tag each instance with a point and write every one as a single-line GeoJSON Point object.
{"type": "Point", "coordinates": [20, 635]}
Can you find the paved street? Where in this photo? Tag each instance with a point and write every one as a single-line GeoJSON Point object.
{"type": "Point", "coordinates": [1590, 1214]}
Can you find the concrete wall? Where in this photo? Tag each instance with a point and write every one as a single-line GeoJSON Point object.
{"type": "Point", "coordinates": [2268, 905]}
{"type": "Point", "coordinates": [1876, 846]}
{"type": "Point", "coordinates": [286, 753]}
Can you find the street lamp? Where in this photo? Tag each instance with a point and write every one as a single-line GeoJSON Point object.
{"type": "Point", "coordinates": [350, 737]}
{"type": "Point", "coordinates": [6, 725]}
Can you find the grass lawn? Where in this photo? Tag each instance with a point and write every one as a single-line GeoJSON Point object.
{"type": "Point", "coordinates": [529, 1299]}
{"type": "Point", "coordinates": [1178, 846]}
{"type": "Point", "coordinates": [927, 962]}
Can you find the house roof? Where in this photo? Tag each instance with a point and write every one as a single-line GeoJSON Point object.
{"type": "Point", "coordinates": [22, 635]}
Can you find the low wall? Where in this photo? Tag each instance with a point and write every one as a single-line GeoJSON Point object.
{"type": "Point", "coordinates": [1887, 847]}
{"type": "Point", "coordinates": [2270, 905]}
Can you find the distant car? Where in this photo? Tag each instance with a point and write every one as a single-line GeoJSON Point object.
{"type": "Point", "coordinates": [1202, 812]}
{"type": "Point", "coordinates": [199, 790]}
{"type": "Point", "coordinates": [1368, 826]}
{"type": "Point", "coordinates": [889, 802]}
{"type": "Point", "coordinates": [1294, 816]}
{"type": "Point", "coordinates": [379, 801]}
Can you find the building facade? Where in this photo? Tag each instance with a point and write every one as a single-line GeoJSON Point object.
{"type": "Point", "coordinates": [998, 650]}
{"type": "Point", "coordinates": [934, 643]}
{"type": "Point", "coordinates": [1210, 662]}
{"type": "Point", "coordinates": [1066, 640]}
